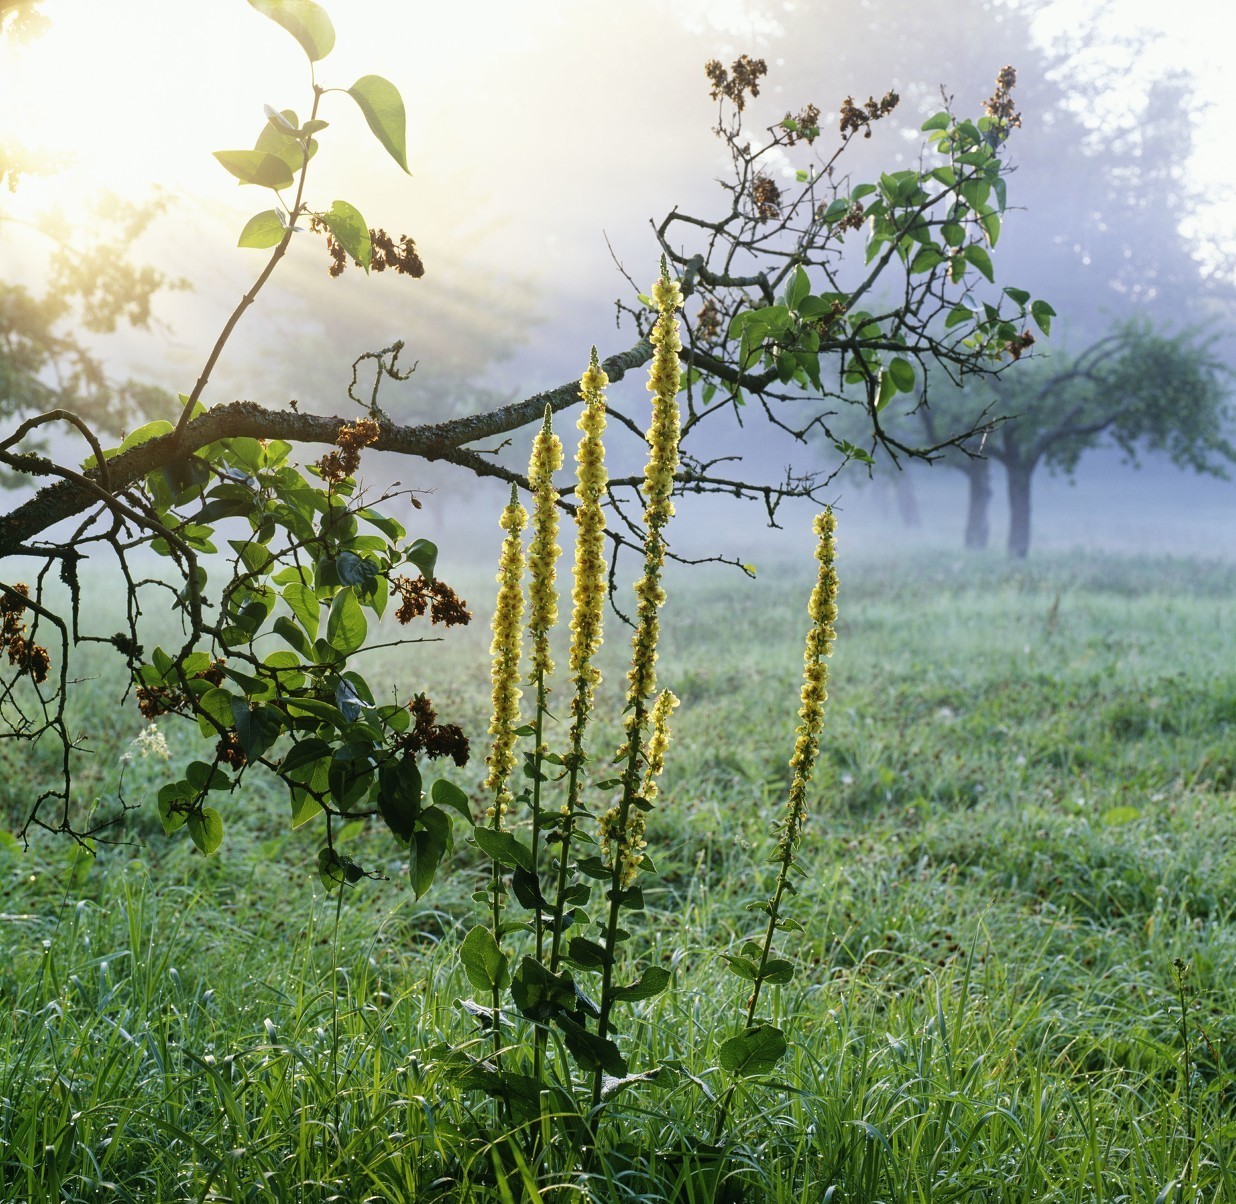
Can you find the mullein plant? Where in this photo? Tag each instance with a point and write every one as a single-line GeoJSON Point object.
{"type": "Point", "coordinates": [760, 1045]}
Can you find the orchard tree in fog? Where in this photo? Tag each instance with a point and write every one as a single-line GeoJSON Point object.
{"type": "Point", "coordinates": [1138, 390]}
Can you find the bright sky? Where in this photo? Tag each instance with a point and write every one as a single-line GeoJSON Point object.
{"type": "Point", "coordinates": [535, 126]}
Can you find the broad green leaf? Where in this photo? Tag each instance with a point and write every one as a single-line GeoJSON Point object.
{"type": "Point", "coordinates": [652, 982]}
{"type": "Point", "coordinates": [353, 570]}
{"type": "Point", "coordinates": [306, 21]}
{"type": "Point", "coordinates": [589, 1050]}
{"type": "Point", "coordinates": [424, 555]}
{"type": "Point", "coordinates": [902, 373]}
{"type": "Point", "coordinates": [586, 954]}
{"type": "Point", "coordinates": [447, 794]}
{"type": "Point", "coordinates": [1042, 313]}
{"type": "Point", "coordinates": [291, 634]}
{"type": "Point", "coordinates": [257, 727]}
{"type": "Point", "coordinates": [304, 807]}
{"type": "Point", "coordinates": [304, 604]}
{"type": "Point", "coordinates": [173, 792]}
{"type": "Point", "coordinates": [256, 167]}
{"type": "Point", "coordinates": [744, 967]}
{"type": "Point", "coordinates": [273, 141]}
{"type": "Point", "coordinates": [350, 231]}
{"type": "Point", "coordinates": [345, 626]}
{"type": "Point", "coordinates": [382, 106]}
{"type": "Point", "coordinates": [1018, 295]}
{"type": "Point", "coordinates": [425, 852]}
{"type": "Point", "coordinates": [302, 756]}
{"type": "Point", "coordinates": [206, 830]}
{"type": "Point", "coordinates": [217, 705]}
{"type": "Point", "coordinates": [503, 847]}
{"type": "Point", "coordinates": [399, 797]}
{"type": "Point", "coordinates": [263, 230]}
{"type": "Point", "coordinates": [977, 256]}
{"type": "Point", "coordinates": [484, 963]}
{"type": "Point", "coordinates": [756, 1051]}
{"type": "Point", "coordinates": [939, 122]}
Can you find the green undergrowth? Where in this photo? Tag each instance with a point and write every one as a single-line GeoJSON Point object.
{"type": "Point", "coordinates": [1016, 981]}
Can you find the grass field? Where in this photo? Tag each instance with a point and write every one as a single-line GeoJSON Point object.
{"type": "Point", "coordinates": [1016, 982]}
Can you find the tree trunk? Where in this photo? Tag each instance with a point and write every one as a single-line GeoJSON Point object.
{"type": "Point", "coordinates": [907, 503]}
{"type": "Point", "coordinates": [978, 528]}
{"type": "Point", "coordinates": [1019, 509]}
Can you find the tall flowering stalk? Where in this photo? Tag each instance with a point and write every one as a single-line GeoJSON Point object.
{"type": "Point", "coordinates": [622, 825]}
{"type": "Point", "coordinates": [543, 553]}
{"type": "Point", "coordinates": [505, 649]}
{"type": "Point", "coordinates": [757, 1045]}
{"type": "Point", "coordinates": [588, 602]}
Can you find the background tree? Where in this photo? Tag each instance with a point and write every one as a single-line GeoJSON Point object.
{"type": "Point", "coordinates": [1137, 389]}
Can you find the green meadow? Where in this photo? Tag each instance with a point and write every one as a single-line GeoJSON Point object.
{"type": "Point", "coordinates": [1016, 977]}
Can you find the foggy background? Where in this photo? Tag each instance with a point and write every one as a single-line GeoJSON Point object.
{"type": "Point", "coordinates": [541, 134]}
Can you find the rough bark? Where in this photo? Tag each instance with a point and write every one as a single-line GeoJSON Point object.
{"type": "Point", "coordinates": [978, 522]}
{"type": "Point", "coordinates": [1019, 509]}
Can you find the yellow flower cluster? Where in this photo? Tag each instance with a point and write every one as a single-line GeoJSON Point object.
{"type": "Point", "coordinates": [506, 647]}
{"type": "Point", "coordinates": [623, 844]}
{"type": "Point", "coordinates": [588, 593]}
{"type": "Point", "coordinates": [543, 551]}
{"type": "Point", "coordinates": [823, 612]}
{"type": "Point", "coordinates": [658, 742]}
{"type": "Point", "coordinates": [663, 433]}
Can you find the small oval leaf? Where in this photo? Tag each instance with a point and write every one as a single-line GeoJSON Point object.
{"type": "Point", "coordinates": [256, 167]}
{"type": "Point", "coordinates": [306, 21]}
{"type": "Point", "coordinates": [262, 230]}
{"type": "Point", "coordinates": [382, 106]}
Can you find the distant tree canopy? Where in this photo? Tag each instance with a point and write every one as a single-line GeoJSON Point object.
{"type": "Point", "coordinates": [1138, 389]}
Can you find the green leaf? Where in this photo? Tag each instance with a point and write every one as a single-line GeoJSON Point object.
{"type": "Point", "coordinates": [484, 963]}
{"type": "Point", "coordinates": [652, 982]}
{"type": "Point", "coordinates": [256, 167]}
{"type": "Point", "coordinates": [350, 231]}
{"type": "Point", "coordinates": [503, 847]}
{"type": "Point", "coordinates": [940, 121]}
{"type": "Point", "coordinates": [353, 570]}
{"type": "Point", "coordinates": [425, 852]}
{"type": "Point", "coordinates": [1019, 295]}
{"type": "Point", "coordinates": [590, 1051]}
{"type": "Point", "coordinates": [744, 967]}
{"type": "Point", "coordinates": [382, 106]}
{"type": "Point", "coordinates": [588, 955]}
{"type": "Point", "coordinates": [447, 794]}
{"type": "Point", "coordinates": [206, 829]}
{"type": "Point", "coordinates": [757, 1051]}
{"type": "Point", "coordinates": [977, 256]}
{"type": "Point", "coordinates": [345, 626]}
{"type": "Point", "coordinates": [257, 727]}
{"type": "Point", "coordinates": [424, 555]}
{"type": "Point", "coordinates": [1042, 313]}
{"type": "Point", "coordinates": [306, 21]}
{"type": "Point", "coordinates": [399, 797]}
{"type": "Point", "coordinates": [798, 288]}
{"type": "Point", "coordinates": [778, 971]}
{"type": "Point", "coordinates": [263, 230]}
{"type": "Point", "coordinates": [173, 792]}
{"type": "Point", "coordinates": [304, 807]}
{"type": "Point", "coordinates": [304, 604]}
{"type": "Point", "coordinates": [902, 373]}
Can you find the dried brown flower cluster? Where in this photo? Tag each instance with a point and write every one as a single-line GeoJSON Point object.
{"type": "Point", "coordinates": [855, 117]}
{"type": "Point", "coordinates": [432, 738]}
{"type": "Point", "coordinates": [854, 217]}
{"type": "Point", "coordinates": [27, 656]}
{"type": "Point", "coordinates": [999, 105]}
{"type": "Point", "coordinates": [708, 320]}
{"type": "Point", "coordinates": [401, 256]}
{"type": "Point", "coordinates": [765, 198]}
{"type": "Point", "coordinates": [352, 437]}
{"type": "Point", "coordinates": [154, 701]}
{"type": "Point", "coordinates": [1016, 346]}
{"type": "Point", "coordinates": [228, 750]}
{"type": "Point", "coordinates": [742, 77]}
{"type": "Point", "coordinates": [806, 126]}
{"type": "Point", "coordinates": [417, 594]}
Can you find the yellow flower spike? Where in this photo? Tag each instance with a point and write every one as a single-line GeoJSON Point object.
{"type": "Point", "coordinates": [658, 742]}
{"type": "Point", "coordinates": [823, 612]}
{"type": "Point", "coordinates": [543, 551]}
{"type": "Point", "coordinates": [663, 433]}
{"type": "Point", "coordinates": [506, 649]}
{"type": "Point", "coordinates": [588, 593]}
